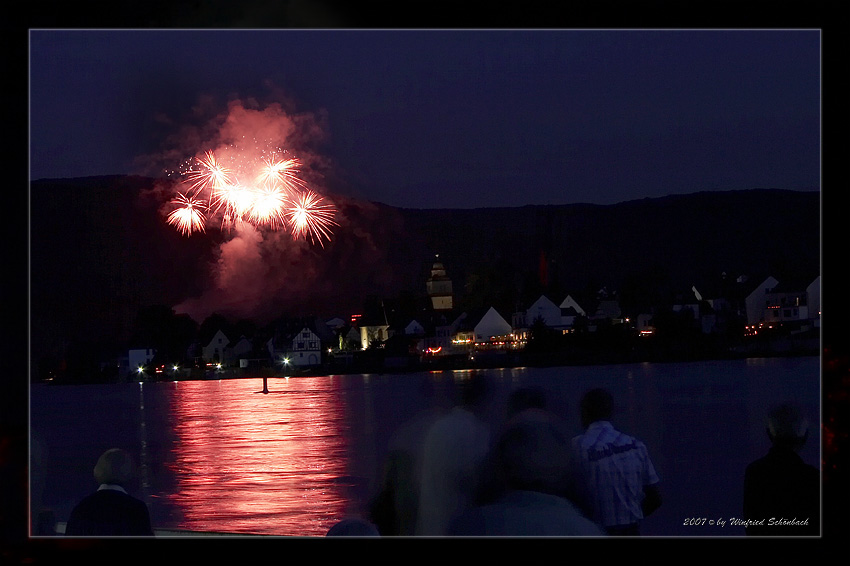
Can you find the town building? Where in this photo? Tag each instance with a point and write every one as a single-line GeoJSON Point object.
{"type": "Point", "coordinates": [492, 330]}
{"type": "Point", "coordinates": [216, 350]}
{"type": "Point", "coordinates": [794, 305]}
{"type": "Point", "coordinates": [439, 288]}
{"type": "Point", "coordinates": [301, 348]}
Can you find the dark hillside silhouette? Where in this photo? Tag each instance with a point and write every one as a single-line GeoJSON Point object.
{"type": "Point", "coordinates": [101, 251]}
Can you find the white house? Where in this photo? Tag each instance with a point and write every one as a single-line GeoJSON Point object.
{"type": "Point", "coordinates": [242, 350]}
{"type": "Point", "coordinates": [440, 338]}
{"type": "Point", "coordinates": [543, 309]}
{"type": "Point", "coordinates": [242, 347]}
{"type": "Point", "coordinates": [139, 357]}
{"type": "Point", "coordinates": [303, 348]}
{"type": "Point", "coordinates": [608, 309]}
{"type": "Point", "coordinates": [813, 294]}
{"type": "Point", "coordinates": [491, 324]}
{"type": "Point", "coordinates": [789, 302]}
{"type": "Point", "coordinates": [756, 301]}
{"type": "Point", "coordinates": [370, 334]}
{"type": "Point", "coordinates": [216, 350]}
{"type": "Point", "coordinates": [643, 324]}
{"type": "Point", "coordinates": [690, 302]}
{"type": "Point", "coordinates": [570, 309]}
{"type": "Point", "coordinates": [546, 310]}
{"type": "Point", "coordinates": [414, 328]}
{"type": "Point", "coordinates": [350, 339]}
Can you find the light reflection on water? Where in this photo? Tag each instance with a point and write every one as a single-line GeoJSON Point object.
{"type": "Point", "coordinates": [240, 455]}
{"type": "Point", "coordinates": [221, 456]}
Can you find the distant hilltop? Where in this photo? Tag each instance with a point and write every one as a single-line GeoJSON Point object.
{"type": "Point", "coordinates": [659, 244]}
{"type": "Point", "coordinates": [103, 243]}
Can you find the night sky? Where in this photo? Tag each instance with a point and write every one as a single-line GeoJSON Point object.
{"type": "Point", "coordinates": [458, 118]}
{"type": "Point", "coordinates": [449, 118]}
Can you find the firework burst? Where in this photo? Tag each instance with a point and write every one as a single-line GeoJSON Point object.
{"type": "Point", "coordinates": [283, 171]}
{"type": "Point", "coordinates": [189, 216]}
{"type": "Point", "coordinates": [308, 216]}
{"type": "Point", "coordinates": [275, 198]}
{"type": "Point", "coordinates": [211, 174]}
{"type": "Point", "coordinates": [268, 207]}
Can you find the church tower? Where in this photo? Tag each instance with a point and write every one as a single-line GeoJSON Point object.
{"type": "Point", "coordinates": [439, 287]}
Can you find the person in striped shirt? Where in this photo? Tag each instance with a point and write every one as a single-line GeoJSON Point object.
{"type": "Point", "coordinates": [616, 483]}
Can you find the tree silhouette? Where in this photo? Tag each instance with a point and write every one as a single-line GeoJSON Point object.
{"type": "Point", "coordinates": [160, 328]}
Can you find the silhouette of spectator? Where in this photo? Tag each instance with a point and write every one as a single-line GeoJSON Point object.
{"type": "Point", "coordinates": [780, 488]}
{"type": "Point", "coordinates": [493, 483]}
{"type": "Point", "coordinates": [453, 454]}
{"type": "Point", "coordinates": [111, 511]}
{"type": "Point", "coordinates": [395, 508]}
{"type": "Point", "coordinates": [525, 398]}
{"type": "Point", "coordinates": [533, 453]}
{"type": "Point", "coordinates": [43, 519]}
{"type": "Point", "coordinates": [353, 527]}
{"type": "Point", "coordinates": [616, 480]}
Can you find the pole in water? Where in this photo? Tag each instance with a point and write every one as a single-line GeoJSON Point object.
{"type": "Point", "coordinates": [265, 384]}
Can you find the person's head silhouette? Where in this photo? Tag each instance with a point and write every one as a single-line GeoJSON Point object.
{"type": "Point", "coordinates": [596, 405]}
{"type": "Point", "coordinates": [114, 467]}
{"type": "Point", "coordinates": [787, 428]}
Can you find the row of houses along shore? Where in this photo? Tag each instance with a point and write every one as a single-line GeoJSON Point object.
{"type": "Point", "coordinates": [770, 317]}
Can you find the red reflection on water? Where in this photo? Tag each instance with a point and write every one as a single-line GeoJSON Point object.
{"type": "Point", "coordinates": [248, 462]}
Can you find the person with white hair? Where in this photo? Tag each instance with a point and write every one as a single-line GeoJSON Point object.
{"type": "Point", "coordinates": [454, 451]}
{"type": "Point", "coordinates": [533, 457]}
{"type": "Point", "coordinates": [111, 511]}
{"type": "Point", "coordinates": [781, 492]}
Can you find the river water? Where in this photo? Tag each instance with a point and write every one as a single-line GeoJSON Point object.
{"type": "Point", "coordinates": [222, 456]}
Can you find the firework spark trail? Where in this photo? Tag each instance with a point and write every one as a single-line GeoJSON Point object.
{"type": "Point", "coordinates": [268, 206]}
{"type": "Point", "coordinates": [276, 199]}
{"type": "Point", "coordinates": [213, 174]}
{"type": "Point", "coordinates": [284, 171]}
{"type": "Point", "coordinates": [309, 217]}
{"type": "Point", "coordinates": [189, 216]}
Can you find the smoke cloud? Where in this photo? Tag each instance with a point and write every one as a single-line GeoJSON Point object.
{"type": "Point", "coordinates": [259, 273]}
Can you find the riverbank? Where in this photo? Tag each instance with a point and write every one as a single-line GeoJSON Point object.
{"type": "Point", "coordinates": [580, 353]}
{"type": "Point", "coordinates": [501, 359]}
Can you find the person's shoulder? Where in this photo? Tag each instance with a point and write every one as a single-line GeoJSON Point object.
{"type": "Point", "coordinates": [113, 496]}
{"type": "Point", "coordinates": [759, 462]}
{"type": "Point", "coordinates": [811, 472]}
{"type": "Point", "coordinates": [624, 439]}
{"type": "Point", "coordinates": [90, 500]}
